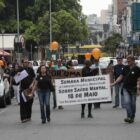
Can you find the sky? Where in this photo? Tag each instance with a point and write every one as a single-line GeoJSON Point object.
{"type": "Point", "coordinates": [94, 6]}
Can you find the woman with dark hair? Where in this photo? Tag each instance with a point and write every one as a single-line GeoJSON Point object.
{"type": "Point", "coordinates": [86, 71]}
{"type": "Point", "coordinates": [43, 83]}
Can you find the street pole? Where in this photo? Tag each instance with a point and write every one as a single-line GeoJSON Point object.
{"type": "Point", "coordinates": [2, 31]}
{"type": "Point", "coordinates": [50, 10]}
{"type": "Point", "coordinates": [18, 19]}
{"type": "Point", "coordinates": [31, 52]}
{"type": "Point", "coordinates": [18, 27]}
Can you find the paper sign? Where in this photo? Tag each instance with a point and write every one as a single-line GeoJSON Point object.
{"type": "Point", "coordinates": [20, 76]}
{"type": "Point", "coordinates": [81, 90]}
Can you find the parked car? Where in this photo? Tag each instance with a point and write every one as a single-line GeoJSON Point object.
{"type": "Point", "coordinates": [5, 96]}
{"type": "Point", "coordinates": [78, 67]}
{"type": "Point", "coordinates": [137, 62]}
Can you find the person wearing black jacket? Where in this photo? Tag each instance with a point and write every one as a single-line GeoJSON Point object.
{"type": "Point", "coordinates": [86, 71]}
{"type": "Point", "coordinates": [130, 76]}
{"type": "Point", "coordinates": [117, 71]}
{"type": "Point", "coordinates": [26, 83]}
{"type": "Point", "coordinates": [44, 86]}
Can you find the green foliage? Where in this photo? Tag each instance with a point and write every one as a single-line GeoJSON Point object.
{"type": "Point", "coordinates": [112, 43]}
{"type": "Point", "coordinates": [68, 22]}
{"type": "Point", "coordinates": [2, 4]}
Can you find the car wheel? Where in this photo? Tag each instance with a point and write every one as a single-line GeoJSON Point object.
{"type": "Point", "coordinates": [11, 91]}
{"type": "Point", "coordinates": [8, 99]}
{"type": "Point", "coordinates": [3, 101]}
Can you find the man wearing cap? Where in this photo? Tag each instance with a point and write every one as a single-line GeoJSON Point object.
{"type": "Point", "coordinates": [118, 68]}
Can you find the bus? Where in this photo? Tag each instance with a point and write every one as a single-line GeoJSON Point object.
{"type": "Point", "coordinates": [79, 52]}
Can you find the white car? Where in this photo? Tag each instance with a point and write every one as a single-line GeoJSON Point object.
{"type": "Point", "coordinates": [5, 96]}
{"type": "Point", "coordinates": [137, 62]}
{"type": "Point", "coordinates": [78, 67]}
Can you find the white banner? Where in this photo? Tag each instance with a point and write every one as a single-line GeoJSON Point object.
{"type": "Point", "coordinates": [82, 90]}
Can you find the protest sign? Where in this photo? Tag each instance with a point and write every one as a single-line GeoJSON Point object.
{"type": "Point", "coordinates": [18, 77]}
{"type": "Point", "coordinates": [82, 90]}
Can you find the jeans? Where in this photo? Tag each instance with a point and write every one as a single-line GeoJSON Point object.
{"type": "Point", "coordinates": [118, 94]}
{"type": "Point", "coordinates": [130, 103]}
{"type": "Point", "coordinates": [44, 99]}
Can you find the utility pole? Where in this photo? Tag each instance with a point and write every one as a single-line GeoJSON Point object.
{"type": "Point", "coordinates": [18, 28]}
{"type": "Point", "coordinates": [50, 12]}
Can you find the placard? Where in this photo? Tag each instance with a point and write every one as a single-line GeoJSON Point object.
{"type": "Point", "coordinates": [82, 90]}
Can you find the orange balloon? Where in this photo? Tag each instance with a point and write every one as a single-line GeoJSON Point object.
{"type": "Point", "coordinates": [88, 56]}
{"type": "Point", "coordinates": [54, 45]}
{"type": "Point", "coordinates": [96, 53]}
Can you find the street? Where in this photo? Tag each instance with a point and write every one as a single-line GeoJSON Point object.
{"type": "Point", "coordinates": [67, 124]}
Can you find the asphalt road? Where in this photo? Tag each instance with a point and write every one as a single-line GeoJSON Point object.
{"type": "Point", "coordinates": [66, 124]}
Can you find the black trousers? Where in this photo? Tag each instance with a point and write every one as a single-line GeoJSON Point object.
{"type": "Point", "coordinates": [54, 99]}
{"type": "Point", "coordinates": [89, 108]}
{"type": "Point", "coordinates": [25, 109]}
{"type": "Point", "coordinates": [97, 105]}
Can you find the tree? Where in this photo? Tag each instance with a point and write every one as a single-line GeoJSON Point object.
{"type": "Point", "coordinates": [2, 4]}
{"type": "Point", "coordinates": [112, 43]}
{"type": "Point", "coordinates": [68, 22]}
{"type": "Point", "coordinates": [8, 14]}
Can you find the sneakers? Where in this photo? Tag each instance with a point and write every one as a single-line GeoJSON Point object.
{"type": "Point", "coordinates": [115, 106]}
{"type": "Point", "coordinates": [90, 116]}
{"type": "Point", "coordinates": [48, 119]}
{"type": "Point", "coordinates": [54, 107]}
{"type": "Point", "coordinates": [25, 120]}
{"type": "Point", "coordinates": [43, 121]}
{"type": "Point", "coordinates": [129, 120]}
{"type": "Point", "coordinates": [82, 115]}
{"type": "Point", "coordinates": [60, 107]}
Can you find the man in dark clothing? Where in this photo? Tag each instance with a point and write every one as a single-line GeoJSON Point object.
{"type": "Point", "coordinates": [117, 71]}
{"type": "Point", "coordinates": [25, 104]}
{"type": "Point", "coordinates": [130, 76]}
{"type": "Point", "coordinates": [7, 72]}
{"type": "Point", "coordinates": [96, 70]}
{"type": "Point", "coordinates": [86, 71]}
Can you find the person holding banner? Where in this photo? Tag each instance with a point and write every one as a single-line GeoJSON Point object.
{"type": "Point", "coordinates": [96, 53]}
{"type": "Point", "coordinates": [58, 66]}
{"type": "Point", "coordinates": [86, 71]}
{"type": "Point", "coordinates": [131, 89]}
{"type": "Point", "coordinates": [96, 70]}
